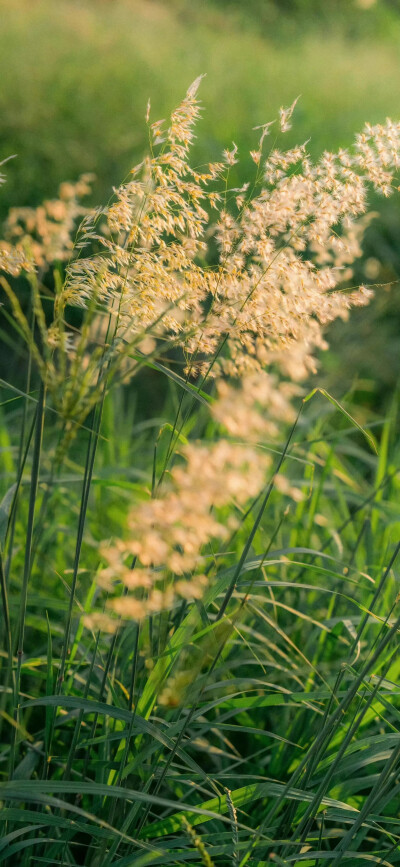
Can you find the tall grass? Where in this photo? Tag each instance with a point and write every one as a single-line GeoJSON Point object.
{"type": "Point", "coordinates": [76, 75]}
{"type": "Point", "coordinates": [214, 683]}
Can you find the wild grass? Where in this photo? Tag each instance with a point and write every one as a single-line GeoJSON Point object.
{"type": "Point", "coordinates": [290, 703]}
{"type": "Point", "coordinates": [251, 718]}
{"type": "Point", "coordinates": [77, 74]}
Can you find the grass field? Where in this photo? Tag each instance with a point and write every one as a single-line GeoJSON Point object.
{"type": "Point", "coordinates": [76, 77]}
{"type": "Point", "coordinates": [198, 544]}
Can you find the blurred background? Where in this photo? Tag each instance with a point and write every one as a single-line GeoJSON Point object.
{"type": "Point", "coordinates": [76, 76]}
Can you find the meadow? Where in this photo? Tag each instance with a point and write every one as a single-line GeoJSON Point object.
{"type": "Point", "coordinates": [199, 538]}
{"type": "Point", "coordinates": [77, 76]}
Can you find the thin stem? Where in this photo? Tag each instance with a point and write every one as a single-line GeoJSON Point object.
{"type": "Point", "coordinates": [28, 554]}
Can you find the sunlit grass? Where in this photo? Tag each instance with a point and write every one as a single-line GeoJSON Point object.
{"type": "Point", "coordinates": [199, 645]}
{"type": "Point", "coordinates": [76, 78]}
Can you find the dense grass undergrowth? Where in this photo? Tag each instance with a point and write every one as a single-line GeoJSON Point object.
{"type": "Point", "coordinates": [200, 608]}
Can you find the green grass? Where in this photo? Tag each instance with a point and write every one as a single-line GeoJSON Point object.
{"type": "Point", "coordinates": [290, 702]}
{"type": "Point", "coordinates": [77, 76]}
{"type": "Point", "coordinates": [259, 725]}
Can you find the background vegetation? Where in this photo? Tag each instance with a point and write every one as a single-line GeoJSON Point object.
{"type": "Point", "coordinates": [77, 76]}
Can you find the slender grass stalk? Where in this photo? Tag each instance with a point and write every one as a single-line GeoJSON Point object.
{"type": "Point", "coordinates": [28, 554]}
{"type": "Point", "coordinates": [256, 524]}
{"type": "Point", "coordinates": [90, 458]}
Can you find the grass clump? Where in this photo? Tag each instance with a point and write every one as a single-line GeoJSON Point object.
{"type": "Point", "coordinates": [200, 609]}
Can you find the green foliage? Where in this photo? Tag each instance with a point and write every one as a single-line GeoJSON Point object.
{"type": "Point", "coordinates": [278, 731]}
{"type": "Point", "coordinates": [77, 76]}
{"type": "Point", "coordinates": [258, 724]}
{"type": "Point", "coordinates": [355, 17]}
